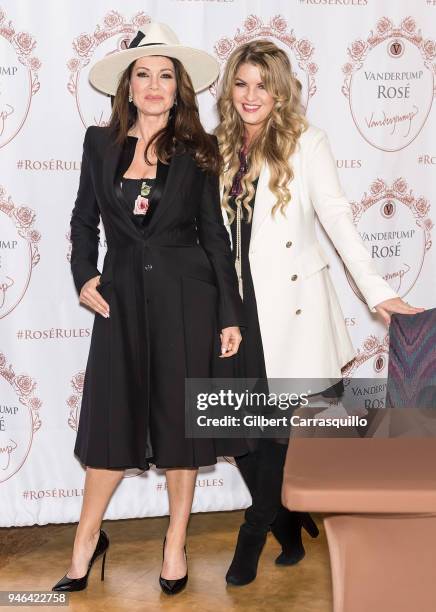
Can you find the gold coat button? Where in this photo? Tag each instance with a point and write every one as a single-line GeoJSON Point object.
{"type": "Point", "coordinates": [298, 311]}
{"type": "Point", "coordinates": [294, 277]}
{"type": "Point", "coordinates": [288, 244]}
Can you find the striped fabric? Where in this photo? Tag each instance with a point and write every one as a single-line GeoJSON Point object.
{"type": "Point", "coordinates": [412, 361]}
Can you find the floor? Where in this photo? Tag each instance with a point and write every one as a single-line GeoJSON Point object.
{"type": "Point", "coordinates": [36, 557]}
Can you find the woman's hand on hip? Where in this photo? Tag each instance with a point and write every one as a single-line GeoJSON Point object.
{"type": "Point", "coordinates": [230, 341]}
{"type": "Point", "coordinates": [92, 298]}
{"type": "Point", "coordinates": [388, 307]}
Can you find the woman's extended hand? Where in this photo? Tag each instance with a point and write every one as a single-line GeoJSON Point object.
{"type": "Point", "coordinates": [386, 308]}
{"type": "Point", "coordinates": [230, 341]}
{"type": "Point", "coordinates": [92, 298]}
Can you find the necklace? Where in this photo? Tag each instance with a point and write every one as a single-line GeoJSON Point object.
{"type": "Point", "coordinates": [238, 260]}
{"type": "Point", "coordinates": [236, 190]}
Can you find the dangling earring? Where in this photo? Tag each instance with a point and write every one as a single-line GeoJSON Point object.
{"type": "Point", "coordinates": [130, 96]}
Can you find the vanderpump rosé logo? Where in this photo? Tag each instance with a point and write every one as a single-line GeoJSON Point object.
{"type": "Point", "coordinates": [19, 418]}
{"type": "Point", "coordinates": [371, 358]}
{"type": "Point", "coordinates": [112, 35]}
{"type": "Point", "coordinates": [396, 227]}
{"type": "Point", "coordinates": [371, 363]}
{"type": "Point", "coordinates": [19, 68]}
{"type": "Point", "coordinates": [365, 384]}
{"type": "Point", "coordinates": [300, 50]}
{"type": "Point", "coordinates": [389, 83]}
{"type": "Point", "coordinates": [18, 251]}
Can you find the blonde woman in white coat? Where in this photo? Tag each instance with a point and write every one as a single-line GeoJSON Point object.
{"type": "Point", "coordinates": [278, 174]}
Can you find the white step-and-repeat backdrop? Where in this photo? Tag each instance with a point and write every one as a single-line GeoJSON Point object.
{"type": "Point", "coordinates": [368, 72]}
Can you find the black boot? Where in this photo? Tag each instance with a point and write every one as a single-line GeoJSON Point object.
{"type": "Point", "coordinates": [248, 465]}
{"type": "Point", "coordinates": [263, 470]}
{"type": "Point", "coordinates": [243, 568]}
{"type": "Point", "coordinates": [286, 527]}
{"type": "Point", "coordinates": [287, 530]}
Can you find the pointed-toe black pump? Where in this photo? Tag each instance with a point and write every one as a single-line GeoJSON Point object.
{"type": "Point", "coordinates": [168, 586]}
{"type": "Point", "coordinates": [287, 530]}
{"type": "Point", "coordinates": [67, 584]}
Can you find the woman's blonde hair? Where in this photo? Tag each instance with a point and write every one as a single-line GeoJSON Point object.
{"type": "Point", "coordinates": [276, 140]}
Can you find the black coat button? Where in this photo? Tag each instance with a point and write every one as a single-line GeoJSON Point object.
{"type": "Point", "coordinates": [298, 311]}
{"type": "Point", "coordinates": [294, 277]}
{"type": "Point", "coordinates": [148, 267]}
{"type": "Point", "coordinates": [288, 244]}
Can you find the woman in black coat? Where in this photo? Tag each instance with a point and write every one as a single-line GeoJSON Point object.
{"type": "Point", "coordinates": [167, 303]}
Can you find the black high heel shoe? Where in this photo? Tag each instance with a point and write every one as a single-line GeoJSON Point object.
{"type": "Point", "coordinates": [287, 530]}
{"type": "Point", "coordinates": [171, 587]}
{"type": "Point", "coordinates": [79, 584]}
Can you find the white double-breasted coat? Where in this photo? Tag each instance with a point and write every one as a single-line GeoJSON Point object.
{"type": "Point", "coordinates": [302, 325]}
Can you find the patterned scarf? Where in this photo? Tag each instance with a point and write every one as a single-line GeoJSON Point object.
{"type": "Point", "coordinates": [243, 169]}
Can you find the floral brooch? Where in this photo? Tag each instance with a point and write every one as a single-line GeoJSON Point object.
{"type": "Point", "coordinates": [141, 203]}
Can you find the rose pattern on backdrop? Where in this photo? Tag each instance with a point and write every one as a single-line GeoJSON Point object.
{"type": "Point", "coordinates": [18, 423]}
{"type": "Point", "coordinates": [20, 46]}
{"type": "Point", "coordinates": [372, 354]}
{"type": "Point", "coordinates": [114, 26]}
{"type": "Point", "coordinates": [15, 272]}
{"type": "Point", "coordinates": [301, 50]}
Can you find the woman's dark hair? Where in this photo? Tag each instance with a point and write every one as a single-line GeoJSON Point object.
{"type": "Point", "coordinates": [183, 128]}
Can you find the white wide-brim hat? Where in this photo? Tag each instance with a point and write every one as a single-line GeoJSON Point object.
{"type": "Point", "coordinates": [154, 39]}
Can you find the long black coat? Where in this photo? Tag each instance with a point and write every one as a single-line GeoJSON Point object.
{"type": "Point", "coordinates": [171, 288]}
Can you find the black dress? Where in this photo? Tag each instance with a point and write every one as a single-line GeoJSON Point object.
{"type": "Point", "coordinates": [171, 287]}
{"type": "Point", "coordinates": [250, 360]}
{"type": "Point", "coordinates": [251, 357]}
{"type": "Point", "coordinates": [167, 426]}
